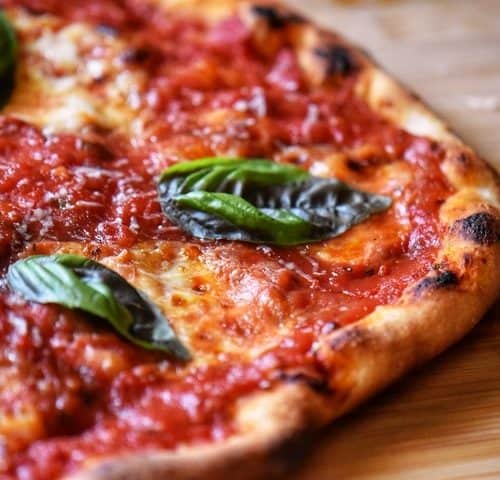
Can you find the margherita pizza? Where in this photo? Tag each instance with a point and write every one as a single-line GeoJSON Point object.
{"type": "Point", "coordinates": [221, 227]}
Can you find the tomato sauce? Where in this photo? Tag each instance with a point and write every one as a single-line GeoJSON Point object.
{"type": "Point", "coordinates": [66, 187]}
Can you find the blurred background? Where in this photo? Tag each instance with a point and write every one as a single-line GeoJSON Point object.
{"type": "Point", "coordinates": [443, 422]}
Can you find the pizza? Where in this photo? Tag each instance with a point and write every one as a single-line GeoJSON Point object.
{"type": "Point", "coordinates": [221, 228]}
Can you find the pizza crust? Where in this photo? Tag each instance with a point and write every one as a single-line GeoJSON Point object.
{"type": "Point", "coordinates": [364, 357]}
{"type": "Point", "coordinates": [279, 424]}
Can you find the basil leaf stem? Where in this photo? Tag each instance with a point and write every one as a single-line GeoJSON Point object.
{"type": "Point", "coordinates": [8, 58]}
{"type": "Point", "coordinates": [261, 201]}
{"type": "Point", "coordinates": [77, 282]}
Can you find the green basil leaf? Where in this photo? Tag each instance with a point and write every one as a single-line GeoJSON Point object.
{"type": "Point", "coordinates": [281, 228]}
{"type": "Point", "coordinates": [261, 201]}
{"type": "Point", "coordinates": [260, 172]}
{"type": "Point", "coordinates": [8, 58]}
{"type": "Point", "coordinates": [77, 282]}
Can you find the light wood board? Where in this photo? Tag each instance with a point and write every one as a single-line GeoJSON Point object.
{"type": "Point", "coordinates": [442, 422]}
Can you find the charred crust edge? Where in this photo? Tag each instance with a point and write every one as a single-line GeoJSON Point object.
{"type": "Point", "coordinates": [441, 280]}
{"type": "Point", "coordinates": [351, 335]}
{"type": "Point", "coordinates": [338, 59]}
{"type": "Point", "coordinates": [275, 17]}
{"type": "Point", "coordinates": [318, 385]}
{"type": "Point", "coordinates": [482, 228]}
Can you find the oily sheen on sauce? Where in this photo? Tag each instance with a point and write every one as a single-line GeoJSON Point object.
{"type": "Point", "coordinates": [100, 187]}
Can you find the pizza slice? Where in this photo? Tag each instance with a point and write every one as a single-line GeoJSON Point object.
{"type": "Point", "coordinates": [221, 228]}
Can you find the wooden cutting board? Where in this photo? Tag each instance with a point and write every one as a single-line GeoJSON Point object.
{"type": "Point", "coordinates": [442, 422]}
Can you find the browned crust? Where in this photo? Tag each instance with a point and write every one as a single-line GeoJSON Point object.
{"type": "Point", "coordinates": [368, 355]}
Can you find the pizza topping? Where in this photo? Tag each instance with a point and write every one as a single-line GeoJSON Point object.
{"type": "Point", "coordinates": [261, 201]}
{"type": "Point", "coordinates": [8, 54]}
{"type": "Point", "coordinates": [79, 283]}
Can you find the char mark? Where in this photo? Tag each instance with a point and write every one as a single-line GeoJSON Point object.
{"type": "Point", "coordinates": [319, 385]}
{"type": "Point", "coordinates": [443, 279]}
{"type": "Point", "coordinates": [352, 335]}
{"type": "Point", "coordinates": [338, 59]}
{"type": "Point", "coordinates": [274, 17]}
{"type": "Point", "coordinates": [482, 228]}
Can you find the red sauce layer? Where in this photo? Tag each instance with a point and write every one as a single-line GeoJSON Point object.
{"type": "Point", "coordinates": [101, 188]}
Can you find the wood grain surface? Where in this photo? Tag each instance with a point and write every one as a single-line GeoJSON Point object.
{"type": "Point", "coordinates": [442, 422]}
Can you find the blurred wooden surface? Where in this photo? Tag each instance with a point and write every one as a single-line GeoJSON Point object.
{"type": "Point", "coordinates": [442, 422]}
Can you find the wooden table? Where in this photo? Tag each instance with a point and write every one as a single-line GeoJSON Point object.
{"type": "Point", "coordinates": [442, 422]}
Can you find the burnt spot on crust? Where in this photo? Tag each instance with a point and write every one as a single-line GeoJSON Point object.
{"type": "Point", "coordinates": [463, 159]}
{"type": "Point", "coordinates": [316, 384]}
{"type": "Point", "coordinates": [482, 228]}
{"type": "Point", "coordinates": [441, 280]}
{"type": "Point", "coordinates": [414, 96]}
{"type": "Point", "coordinates": [274, 17]}
{"type": "Point", "coordinates": [353, 335]}
{"type": "Point", "coordinates": [338, 59]}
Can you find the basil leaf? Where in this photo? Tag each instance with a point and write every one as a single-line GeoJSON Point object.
{"type": "Point", "coordinates": [77, 282]}
{"type": "Point", "coordinates": [261, 201]}
{"type": "Point", "coordinates": [259, 172]}
{"type": "Point", "coordinates": [8, 57]}
{"type": "Point", "coordinates": [281, 226]}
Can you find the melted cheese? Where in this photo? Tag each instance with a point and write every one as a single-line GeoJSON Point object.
{"type": "Point", "coordinates": [186, 286]}
{"type": "Point", "coordinates": [367, 244]}
{"type": "Point", "coordinates": [22, 424]}
{"type": "Point", "coordinates": [73, 77]}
